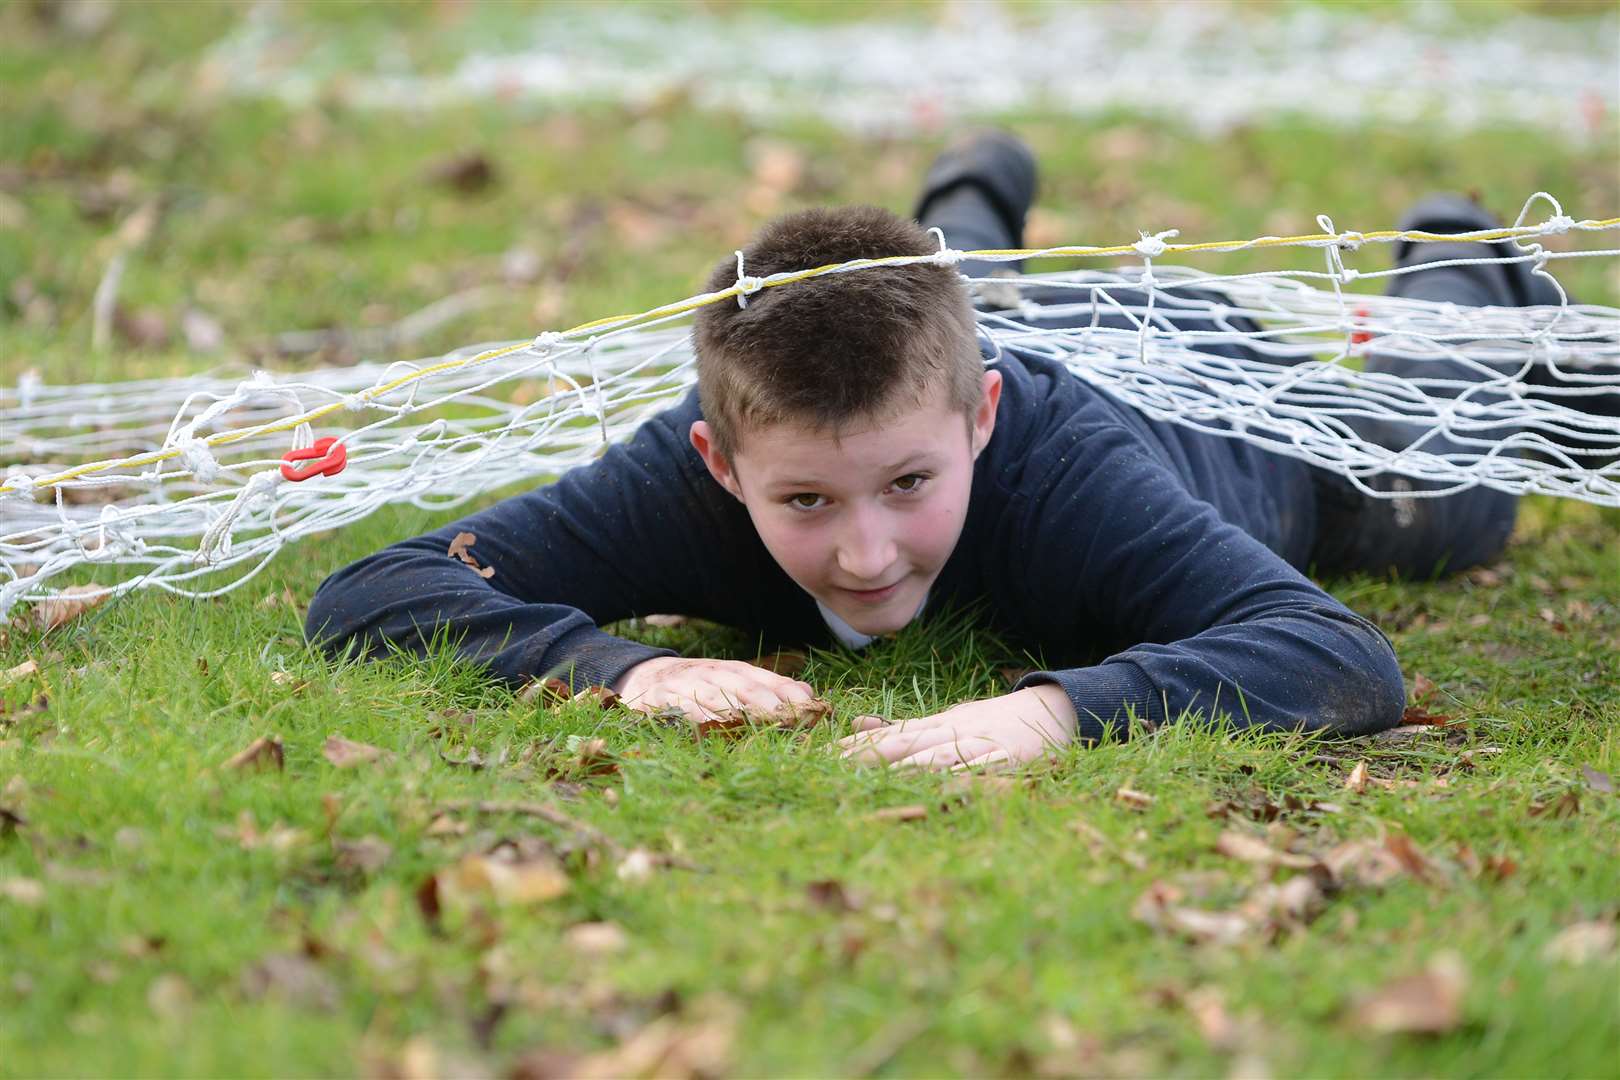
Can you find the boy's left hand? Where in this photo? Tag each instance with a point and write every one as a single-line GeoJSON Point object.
{"type": "Point", "coordinates": [1008, 730]}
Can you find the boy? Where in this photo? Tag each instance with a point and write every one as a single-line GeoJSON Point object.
{"type": "Point", "coordinates": [849, 461]}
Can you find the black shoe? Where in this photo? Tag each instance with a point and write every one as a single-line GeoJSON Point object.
{"type": "Point", "coordinates": [998, 165]}
{"type": "Point", "coordinates": [1509, 284]}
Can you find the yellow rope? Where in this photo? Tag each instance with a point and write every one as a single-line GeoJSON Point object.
{"type": "Point", "coordinates": [225, 438]}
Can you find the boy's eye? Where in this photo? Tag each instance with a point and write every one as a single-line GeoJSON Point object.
{"type": "Point", "coordinates": [910, 482]}
{"type": "Point", "coordinates": [804, 501]}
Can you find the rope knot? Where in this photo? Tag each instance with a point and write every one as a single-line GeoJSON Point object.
{"type": "Point", "coordinates": [1558, 224]}
{"type": "Point", "coordinates": [746, 286]}
{"type": "Point", "coordinates": [945, 256]}
{"type": "Point", "coordinates": [21, 486]}
{"type": "Point", "coordinates": [1350, 240]}
{"type": "Point", "coordinates": [548, 341]}
{"type": "Point", "coordinates": [354, 402]}
{"type": "Point", "coordinates": [1151, 247]}
{"type": "Point", "coordinates": [198, 458]}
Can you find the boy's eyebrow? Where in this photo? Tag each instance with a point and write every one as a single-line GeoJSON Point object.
{"type": "Point", "coordinates": [920, 457]}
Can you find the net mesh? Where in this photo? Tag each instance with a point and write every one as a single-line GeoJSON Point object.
{"type": "Point", "coordinates": [186, 485]}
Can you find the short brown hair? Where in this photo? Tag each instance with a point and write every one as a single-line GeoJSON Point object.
{"type": "Point", "coordinates": [829, 349]}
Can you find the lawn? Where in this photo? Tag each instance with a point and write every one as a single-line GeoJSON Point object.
{"type": "Point", "coordinates": [488, 885]}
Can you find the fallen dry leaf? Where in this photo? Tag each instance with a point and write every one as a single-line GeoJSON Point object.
{"type": "Point", "coordinates": [671, 1048]}
{"type": "Point", "coordinates": [467, 173]}
{"type": "Point", "coordinates": [1410, 856]}
{"type": "Point", "coordinates": [459, 546]}
{"type": "Point", "coordinates": [367, 854]}
{"type": "Point", "coordinates": [1598, 781]}
{"type": "Point", "coordinates": [829, 894]}
{"type": "Point", "coordinates": [666, 621]}
{"type": "Point", "coordinates": [596, 938]}
{"type": "Point", "coordinates": [1429, 1003]}
{"type": "Point", "coordinates": [1160, 908]}
{"type": "Point", "coordinates": [293, 978]}
{"type": "Point", "coordinates": [21, 890]}
{"type": "Point", "coordinates": [638, 864]}
{"type": "Point", "coordinates": [1414, 716]}
{"type": "Point", "coordinates": [262, 753]}
{"type": "Point", "coordinates": [1101, 845]}
{"type": "Point", "coordinates": [1245, 848]}
{"type": "Point", "coordinates": [277, 837]}
{"type": "Point", "coordinates": [518, 881]}
{"type": "Point", "coordinates": [899, 813]}
{"type": "Point", "coordinates": [1361, 862]}
{"type": "Point", "coordinates": [1422, 687]}
{"type": "Point", "coordinates": [21, 671]}
{"type": "Point", "coordinates": [788, 663]}
{"type": "Point", "coordinates": [1581, 943]}
{"type": "Point", "coordinates": [792, 716]}
{"type": "Point", "coordinates": [1136, 800]}
{"type": "Point", "coordinates": [1566, 805]}
{"type": "Point", "coordinates": [347, 754]}
{"type": "Point", "coordinates": [67, 605]}
{"type": "Point", "coordinates": [1357, 780]}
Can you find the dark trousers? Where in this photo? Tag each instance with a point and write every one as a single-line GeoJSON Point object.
{"type": "Point", "coordinates": [1413, 536]}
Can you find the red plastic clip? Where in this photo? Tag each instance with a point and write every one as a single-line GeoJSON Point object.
{"type": "Point", "coordinates": [327, 456]}
{"type": "Point", "coordinates": [1361, 337]}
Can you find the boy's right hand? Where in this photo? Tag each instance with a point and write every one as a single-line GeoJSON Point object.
{"type": "Point", "coordinates": [705, 689]}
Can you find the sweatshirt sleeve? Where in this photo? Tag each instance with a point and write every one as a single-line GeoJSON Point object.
{"type": "Point", "coordinates": [618, 537]}
{"type": "Point", "coordinates": [1224, 625]}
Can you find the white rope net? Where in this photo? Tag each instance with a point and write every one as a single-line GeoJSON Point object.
{"type": "Point", "coordinates": [185, 484]}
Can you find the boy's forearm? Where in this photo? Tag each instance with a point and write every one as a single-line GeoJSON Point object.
{"type": "Point", "coordinates": [412, 598]}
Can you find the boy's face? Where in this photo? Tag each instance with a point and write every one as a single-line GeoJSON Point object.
{"type": "Point", "coordinates": [862, 520]}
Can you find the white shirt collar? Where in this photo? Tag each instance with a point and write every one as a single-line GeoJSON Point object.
{"type": "Point", "coordinates": [847, 633]}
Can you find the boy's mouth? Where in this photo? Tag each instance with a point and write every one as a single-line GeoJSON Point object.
{"type": "Point", "coordinates": [874, 596]}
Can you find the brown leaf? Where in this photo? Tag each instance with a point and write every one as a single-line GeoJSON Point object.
{"type": "Point", "coordinates": [1422, 687]}
{"type": "Point", "coordinates": [1357, 780]}
{"type": "Point", "coordinates": [791, 716]}
{"type": "Point", "coordinates": [20, 890]}
{"type": "Point", "coordinates": [829, 894]}
{"type": "Point", "coordinates": [1013, 674]}
{"type": "Point", "coordinates": [508, 881]}
{"type": "Point", "coordinates": [600, 696]}
{"type": "Point", "coordinates": [596, 938]}
{"type": "Point", "coordinates": [1159, 907]}
{"type": "Point", "coordinates": [665, 621]}
{"type": "Point", "coordinates": [1598, 781]}
{"type": "Point", "coordinates": [1566, 805]}
{"type": "Point", "coordinates": [638, 864]}
{"type": "Point", "coordinates": [262, 753]}
{"type": "Point", "coordinates": [899, 813]}
{"type": "Point", "coordinates": [676, 1049]}
{"type": "Point", "coordinates": [550, 691]}
{"type": "Point", "coordinates": [1581, 943]}
{"type": "Point", "coordinates": [21, 671]}
{"type": "Point", "coordinates": [67, 605]}
{"type": "Point", "coordinates": [1413, 715]}
{"type": "Point", "coordinates": [347, 754]}
{"type": "Point", "coordinates": [468, 173]}
{"type": "Point", "coordinates": [367, 854]}
{"type": "Point", "coordinates": [1410, 856]}
{"type": "Point", "coordinates": [1101, 845]}
{"type": "Point", "coordinates": [1136, 800]}
{"type": "Point", "coordinates": [785, 662]}
{"type": "Point", "coordinates": [1245, 848]}
{"type": "Point", "coordinates": [246, 832]}
{"type": "Point", "coordinates": [1361, 862]}
{"type": "Point", "coordinates": [459, 546]}
{"type": "Point", "coordinates": [1429, 1003]}
{"type": "Point", "coordinates": [292, 978]}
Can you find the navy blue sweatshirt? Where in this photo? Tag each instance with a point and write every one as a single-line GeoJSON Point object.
{"type": "Point", "coordinates": [1159, 561]}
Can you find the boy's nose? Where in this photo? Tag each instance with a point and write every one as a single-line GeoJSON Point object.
{"type": "Point", "coordinates": [864, 555]}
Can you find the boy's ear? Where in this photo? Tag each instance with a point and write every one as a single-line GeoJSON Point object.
{"type": "Point", "coordinates": [984, 418]}
{"type": "Point", "coordinates": [702, 436]}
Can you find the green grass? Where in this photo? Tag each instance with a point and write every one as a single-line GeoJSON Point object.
{"type": "Point", "coordinates": [990, 936]}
